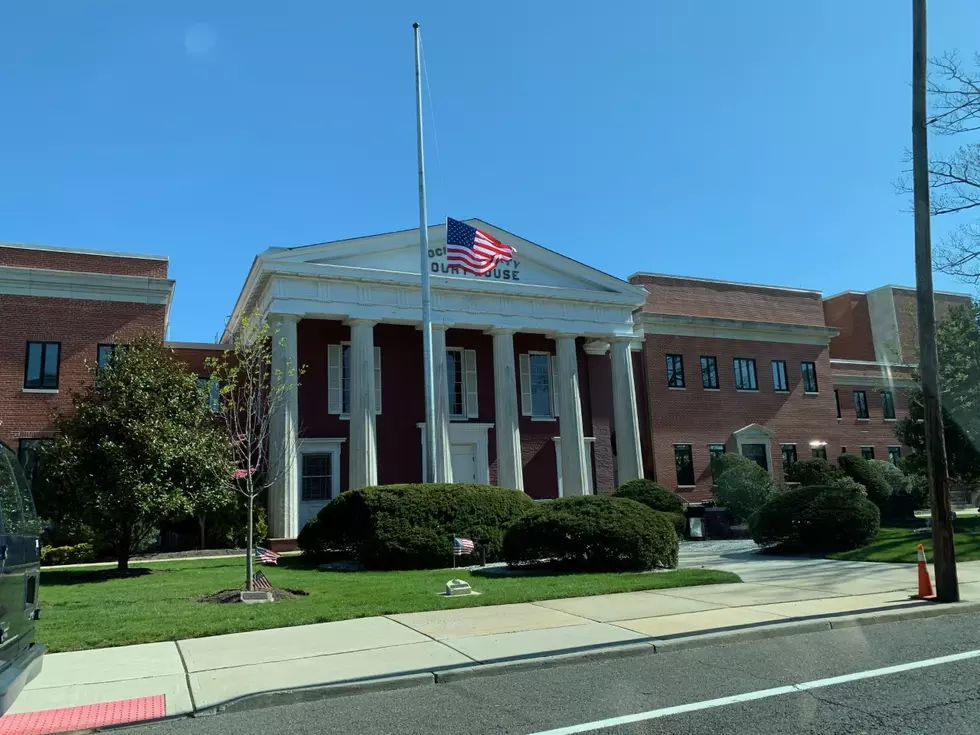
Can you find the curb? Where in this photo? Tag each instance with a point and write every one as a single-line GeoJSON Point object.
{"type": "Point", "coordinates": [261, 700]}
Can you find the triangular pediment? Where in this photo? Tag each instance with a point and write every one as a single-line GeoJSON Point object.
{"type": "Point", "coordinates": [398, 252]}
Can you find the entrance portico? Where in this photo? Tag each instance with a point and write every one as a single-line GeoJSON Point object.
{"type": "Point", "coordinates": [349, 312]}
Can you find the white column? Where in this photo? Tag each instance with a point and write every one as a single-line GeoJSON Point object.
{"type": "Point", "coordinates": [284, 432]}
{"type": "Point", "coordinates": [629, 459]}
{"type": "Point", "coordinates": [510, 472]}
{"type": "Point", "coordinates": [440, 379]}
{"type": "Point", "coordinates": [573, 466]}
{"type": "Point", "coordinates": [363, 439]}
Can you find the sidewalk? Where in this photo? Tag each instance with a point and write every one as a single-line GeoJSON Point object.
{"type": "Point", "coordinates": [203, 673]}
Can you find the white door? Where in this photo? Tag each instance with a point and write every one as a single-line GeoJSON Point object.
{"type": "Point", "coordinates": [463, 457]}
{"type": "Point", "coordinates": [316, 483]}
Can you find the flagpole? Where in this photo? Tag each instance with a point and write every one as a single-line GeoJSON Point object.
{"type": "Point", "coordinates": [430, 408]}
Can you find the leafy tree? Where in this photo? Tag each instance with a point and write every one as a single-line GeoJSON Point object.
{"type": "Point", "coordinates": [252, 390]}
{"type": "Point", "coordinates": [958, 339]}
{"type": "Point", "coordinates": [813, 471]}
{"type": "Point", "coordinates": [139, 448]}
{"type": "Point", "coordinates": [741, 485]}
{"type": "Point", "coordinates": [866, 473]}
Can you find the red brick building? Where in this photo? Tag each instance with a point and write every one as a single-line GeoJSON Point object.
{"type": "Point", "coordinates": [551, 377]}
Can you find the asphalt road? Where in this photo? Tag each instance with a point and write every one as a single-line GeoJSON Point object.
{"type": "Point", "coordinates": [942, 698]}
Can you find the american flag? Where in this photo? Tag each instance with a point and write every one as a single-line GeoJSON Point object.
{"type": "Point", "coordinates": [462, 546]}
{"type": "Point", "coordinates": [266, 556]}
{"type": "Point", "coordinates": [260, 581]}
{"type": "Point", "coordinates": [473, 250]}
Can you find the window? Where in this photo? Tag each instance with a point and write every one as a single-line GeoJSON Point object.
{"type": "Point", "coordinates": [675, 371]}
{"type": "Point", "coordinates": [861, 404]}
{"type": "Point", "coordinates": [758, 453]}
{"type": "Point", "coordinates": [42, 364]}
{"type": "Point", "coordinates": [867, 452]}
{"type": "Point", "coordinates": [809, 370]}
{"type": "Point", "coordinates": [684, 465]}
{"type": "Point", "coordinates": [29, 456]}
{"type": "Point", "coordinates": [212, 390]}
{"type": "Point", "coordinates": [745, 374]}
{"type": "Point", "coordinates": [779, 376]}
{"type": "Point", "coordinates": [461, 370]}
{"type": "Point", "coordinates": [789, 456]}
{"type": "Point", "coordinates": [538, 399]}
{"type": "Point", "coordinates": [317, 476]}
{"type": "Point", "coordinates": [819, 452]}
{"type": "Point", "coordinates": [714, 451]}
{"type": "Point", "coordinates": [103, 353]}
{"type": "Point", "coordinates": [709, 371]}
{"type": "Point", "coordinates": [837, 401]}
{"type": "Point", "coordinates": [887, 404]}
{"type": "Point", "coordinates": [894, 454]}
{"type": "Point", "coordinates": [338, 379]}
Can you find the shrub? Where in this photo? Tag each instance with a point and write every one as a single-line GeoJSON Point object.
{"type": "Point", "coordinates": [813, 471]}
{"type": "Point", "coordinates": [679, 521]}
{"type": "Point", "coordinates": [651, 495]}
{"type": "Point", "coordinates": [77, 554]}
{"type": "Point", "coordinates": [816, 519]}
{"type": "Point", "coordinates": [741, 485]}
{"type": "Point", "coordinates": [897, 480]}
{"type": "Point", "coordinates": [593, 533]}
{"type": "Point", "coordinates": [412, 526]}
{"type": "Point", "coordinates": [865, 472]}
{"type": "Point", "coordinates": [847, 483]}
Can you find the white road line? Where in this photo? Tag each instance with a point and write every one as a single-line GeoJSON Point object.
{"type": "Point", "coordinates": [759, 694]}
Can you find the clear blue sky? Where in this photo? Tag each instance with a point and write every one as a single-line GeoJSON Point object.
{"type": "Point", "coordinates": [754, 141]}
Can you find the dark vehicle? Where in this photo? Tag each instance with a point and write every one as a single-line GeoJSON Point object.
{"type": "Point", "coordinates": [20, 564]}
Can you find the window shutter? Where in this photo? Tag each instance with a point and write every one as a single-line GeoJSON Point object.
{"type": "Point", "coordinates": [469, 365]}
{"type": "Point", "coordinates": [525, 361]}
{"type": "Point", "coordinates": [334, 368]}
{"type": "Point", "coordinates": [377, 380]}
{"type": "Point", "coordinates": [554, 385]}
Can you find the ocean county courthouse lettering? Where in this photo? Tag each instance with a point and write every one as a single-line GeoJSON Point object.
{"type": "Point", "coordinates": [551, 377]}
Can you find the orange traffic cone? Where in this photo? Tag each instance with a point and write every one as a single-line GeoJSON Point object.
{"type": "Point", "coordinates": [925, 584]}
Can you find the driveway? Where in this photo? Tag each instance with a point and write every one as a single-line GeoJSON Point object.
{"type": "Point", "coordinates": [839, 577]}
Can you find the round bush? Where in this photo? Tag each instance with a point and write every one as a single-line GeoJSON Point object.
{"type": "Point", "coordinates": [651, 495]}
{"type": "Point", "coordinates": [741, 485]}
{"type": "Point", "coordinates": [593, 533]}
{"type": "Point", "coordinates": [816, 519]}
{"type": "Point", "coordinates": [867, 474]}
{"type": "Point", "coordinates": [412, 526]}
{"type": "Point", "coordinates": [813, 471]}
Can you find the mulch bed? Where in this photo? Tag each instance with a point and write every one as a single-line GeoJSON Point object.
{"type": "Point", "coordinates": [235, 595]}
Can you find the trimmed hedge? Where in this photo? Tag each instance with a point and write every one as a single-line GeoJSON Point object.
{"type": "Point", "coordinates": [593, 533]}
{"type": "Point", "coordinates": [866, 473]}
{"type": "Point", "coordinates": [651, 495]}
{"type": "Point", "coordinates": [813, 471]}
{"type": "Point", "coordinates": [77, 554]}
{"type": "Point", "coordinates": [816, 519]}
{"type": "Point", "coordinates": [741, 485]}
{"type": "Point", "coordinates": [412, 526]}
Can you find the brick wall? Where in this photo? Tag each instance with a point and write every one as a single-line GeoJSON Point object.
{"type": "Point", "coordinates": [907, 318]}
{"type": "Point", "coordinates": [876, 431]}
{"type": "Point", "coordinates": [849, 313]}
{"type": "Point", "coordinates": [691, 297]}
{"type": "Point", "coordinates": [82, 262]}
{"type": "Point", "coordinates": [195, 357]}
{"type": "Point", "coordinates": [701, 417]}
{"type": "Point", "coordinates": [79, 326]}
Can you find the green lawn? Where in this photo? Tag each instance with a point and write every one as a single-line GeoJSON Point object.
{"type": "Point", "coordinates": [899, 544]}
{"type": "Point", "coordinates": [79, 610]}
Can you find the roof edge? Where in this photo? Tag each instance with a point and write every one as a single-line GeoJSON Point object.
{"type": "Point", "coordinates": [729, 283]}
{"type": "Point", "coordinates": [84, 251]}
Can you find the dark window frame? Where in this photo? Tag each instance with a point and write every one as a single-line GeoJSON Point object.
{"type": "Point", "coordinates": [782, 455]}
{"type": "Point", "coordinates": [812, 373]}
{"type": "Point", "coordinates": [818, 452]}
{"type": "Point", "coordinates": [44, 353]}
{"type": "Point", "coordinates": [887, 404]}
{"type": "Point", "coordinates": [709, 362]}
{"type": "Point", "coordinates": [675, 371]}
{"type": "Point", "coordinates": [689, 467]}
{"type": "Point", "coordinates": [748, 362]}
{"type": "Point", "coordinates": [837, 401]}
{"type": "Point", "coordinates": [311, 497]}
{"type": "Point", "coordinates": [781, 385]}
{"type": "Point", "coordinates": [867, 452]}
{"type": "Point", "coordinates": [894, 454]}
{"type": "Point", "coordinates": [111, 348]}
{"type": "Point", "coordinates": [863, 403]}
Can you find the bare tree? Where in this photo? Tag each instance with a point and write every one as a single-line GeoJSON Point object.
{"type": "Point", "coordinates": [251, 392]}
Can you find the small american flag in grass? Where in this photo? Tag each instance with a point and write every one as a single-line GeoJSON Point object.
{"type": "Point", "coordinates": [266, 556]}
{"type": "Point", "coordinates": [462, 546]}
{"type": "Point", "coordinates": [261, 582]}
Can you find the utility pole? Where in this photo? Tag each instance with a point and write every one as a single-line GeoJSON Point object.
{"type": "Point", "coordinates": [944, 553]}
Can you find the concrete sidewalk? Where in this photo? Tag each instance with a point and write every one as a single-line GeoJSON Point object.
{"type": "Point", "coordinates": [203, 673]}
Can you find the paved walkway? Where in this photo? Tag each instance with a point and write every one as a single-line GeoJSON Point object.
{"type": "Point", "coordinates": [201, 673]}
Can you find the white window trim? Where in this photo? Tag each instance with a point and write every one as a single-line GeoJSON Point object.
{"type": "Point", "coordinates": [469, 385]}
{"type": "Point", "coordinates": [589, 442]}
{"type": "Point", "coordinates": [378, 381]}
{"type": "Point", "coordinates": [755, 434]}
{"type": "Point", "coordinates": [527, 410]}
{"type": "Point", "coordinates": [320, 445]}
{"type": "Point", "coordinates": [463, 416]}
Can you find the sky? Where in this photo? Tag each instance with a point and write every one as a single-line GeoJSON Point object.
{"type": "Point", "coordinates": [755, 141]}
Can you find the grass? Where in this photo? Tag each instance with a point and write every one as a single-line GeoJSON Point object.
{"type": "Point", "coordinates": [81, 608]}
{"type": "Point", "coordinates": [898, 545]}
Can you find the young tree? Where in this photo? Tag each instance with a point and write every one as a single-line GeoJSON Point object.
{"type": "Point", "coordinates": [252, 392]}
{"type": "Point", "coordinates": [959, 379]}
{"type": "Point", "coordinates": [138, 448]}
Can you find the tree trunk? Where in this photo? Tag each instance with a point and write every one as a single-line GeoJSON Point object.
{"type": "Point", "coordinates": [200, 523]}
{"type": "Point", "coordinates": [249, 551]}
{"type": "Point", "coordinates": [122, 551]}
